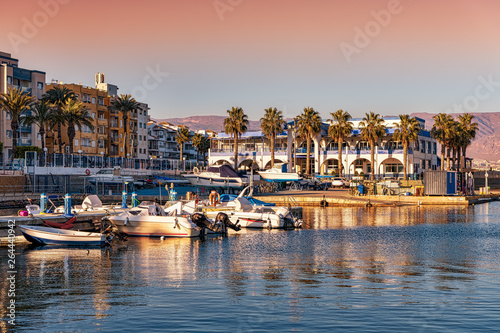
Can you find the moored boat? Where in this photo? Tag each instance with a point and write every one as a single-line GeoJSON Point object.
{"type": "Point", "coordinates": [216, 176]}
{"type": "Point", "coordinates": [279, 174]}
{"type": "Point", "coordinates": [52, 236]}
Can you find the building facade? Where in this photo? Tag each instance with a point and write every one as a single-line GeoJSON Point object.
{"type": "Point", "coordinates": [253, 149]}
{"type": "Point", "coordinates": [31, 81]}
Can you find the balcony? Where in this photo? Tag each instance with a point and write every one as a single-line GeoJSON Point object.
{"type": "Point", "coordinates": [114, 138]}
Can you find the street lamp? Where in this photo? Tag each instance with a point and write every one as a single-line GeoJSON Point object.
{"type": "Point", "coordinates": [80, 153]}
{"type": "Point", "coordinates": [102, 159]}
{"type": "Point", "coordinates": [45, 155]}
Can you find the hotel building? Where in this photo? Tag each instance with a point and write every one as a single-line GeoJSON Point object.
{"type": "Point", "coordinates": [253, 149]}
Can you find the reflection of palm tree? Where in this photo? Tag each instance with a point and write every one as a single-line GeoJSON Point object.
{"type": "Point", "coordinates": [15, 102]}
{"type": "Point", "coordinates": [235, 125]}
{"type": "Point", "coordinates": [58, 96]}
{"type": "Point", "coordinates": [372, 128]}
{"type": "Point", "coordinates": [439, 132]}
{"type": "Point", "coordinates": [75, 116]}
{"type": "Point", "coordinates": [406, 132]}
{"type": "Point", "coordinates": [272, 124]}
{"type": "Point", "coordinates": [308, 126]}
{"type": "Point", "coordinates": [340, 128]}
{"type": "Point", "coordinates": [182, 136]}
{"type": "Point", "coordinates": [125, 104]}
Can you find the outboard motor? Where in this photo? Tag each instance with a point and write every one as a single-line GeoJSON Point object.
{"type": "Point", "coordinates": [222, 217]}
{"type": "Point", "coordinates": [201, 221]}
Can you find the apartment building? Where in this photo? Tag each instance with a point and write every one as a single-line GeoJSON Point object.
{"type": "Point", "coordinates": [31, 81]}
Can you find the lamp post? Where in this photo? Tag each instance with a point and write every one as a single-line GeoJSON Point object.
{"type": "Point", "coordinates": [45, 155]}
{"type": "Point", "coordinates": [127, 161]}
{"type": "Point", "coordinates": [102, 159]}
{"type": "Point", "coordinates": [80, 153]}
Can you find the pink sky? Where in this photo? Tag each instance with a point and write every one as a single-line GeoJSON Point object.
{"type": "Point", "coordinates": [283, 53]}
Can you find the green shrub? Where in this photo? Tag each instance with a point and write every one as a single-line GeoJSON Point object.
{"type": "Point", "coordinates": [20, 150]}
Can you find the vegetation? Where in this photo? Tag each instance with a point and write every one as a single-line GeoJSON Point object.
{"type": "Point", "coordinates": [20, 151]}
{"type": "Point", "coordinates": [42, 115]}
{"type": "Point", "coordinates": [372, 128]}
{"type": "Point", "coordinates": [235, 125]}
{"type": "Point", "coordinates": [340, 128]}
{"type": "Point", "coordinates": [182, 136]}
{"type": "Point", "coordinates": [125, 104]}
{"type": "Point", "coordinates": [272, 124]}
{"type": "Point", "coordinates": [308, 126]}
{"type": "Point", "coordinates": [15, 102]}
{"type": "Point", "coordinates": [196, 140]}
{"type": "Point", "coordinates": [58, 97]}
{"type": "Point", "coordinates": [439, 132]}
{"type": "Point", "coordinates": [75, 115]}
{"type": "Point", "coordinates": [406, 132]}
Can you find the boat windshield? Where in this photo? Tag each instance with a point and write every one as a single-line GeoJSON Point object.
{"type": "Point", "coordinates": [105, 172]}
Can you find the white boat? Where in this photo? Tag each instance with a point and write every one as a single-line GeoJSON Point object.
{"type": "Point", "coordinates": [241, 212]}
{"type": "Point", "coordinates": [216, 176]}
{"type": "Point", "coordinates": [91, 203]}
{"type": "Point", "coordinates": [109, 176]}
{"type": "Point", "coordinates": [178, 220]}
{"type": "Point", "coordinates": [278, 174]}
{"type": "Point", "coordinates": [53, 236]}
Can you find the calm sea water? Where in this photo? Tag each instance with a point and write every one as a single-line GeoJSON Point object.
{"type": "Point", "coordinates": [428, 269]}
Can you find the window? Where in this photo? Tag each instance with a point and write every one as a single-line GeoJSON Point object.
{"type": "Point", "coordinates": [93, 100]}
{"type": "Point", "coordinates": [9, 79]}
{"type": "Point", "coordinates": [39, 85]}
{"type": "Point", "coordinates": [121, 123]}
{"type": "Point", "coordinates": [93, 144]}
{"type": "Point", "coordinates": [76, 142]}
{"type": "Point", "coordinates": [9, 133]}
{"type": "Point", "coordinates": [76, 97]}
{"type": "Point", "coordinates": [393, 167]}
{"type": "Point", "coordinates": [429, 144]}
{"type": "Point", "coordinates": [434, 148]}
{"type": "Point", "coordinates": [422, 146]}
{"type": "Point", "coordinates": [100, 100]}
{"type": "Point", "coordinates": [423, 164]}
{"type": "Point", "coordinates": [93, 115]}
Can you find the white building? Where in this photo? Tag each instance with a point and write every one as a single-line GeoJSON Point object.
{"type": "Point", "coordinates": [254, 149]}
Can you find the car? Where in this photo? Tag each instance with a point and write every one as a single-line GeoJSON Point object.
{"type": "Point", "coordinates": [340, 182]}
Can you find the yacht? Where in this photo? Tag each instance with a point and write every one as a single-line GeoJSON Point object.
{"type": "Point", "coordinates": [109, 176]}
{"type": "Point", "coordinates": [279, 174]}
{"type": "Point", "coordinates": [216, 176]}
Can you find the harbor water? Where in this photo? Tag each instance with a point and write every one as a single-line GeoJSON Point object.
{"type": "Point", "coordinates": [352, 269]}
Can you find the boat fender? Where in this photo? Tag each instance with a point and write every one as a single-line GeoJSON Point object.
{"type": "Point", "coordinates": [214, 198]}
{"type": "Point", "coordinates": [126, 221]}
{"type": "Point", "coordinates": [323, 203]}
{"type": "Point", "coordinates": [175, 223]}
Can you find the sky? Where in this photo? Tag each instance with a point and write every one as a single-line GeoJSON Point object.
{"type": "Point", "coordinates": [201, 57]}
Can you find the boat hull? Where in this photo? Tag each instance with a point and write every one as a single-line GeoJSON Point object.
{"type": "Point", "coordinates": [252, 220]}
{"type": "Point", "coordinates": [279, 177]}
{"type": "Point", "coordinates": [207, 181]}
{"type": "Point", "coordinates": [156, 226]}
{"type": "Point", "coordinates": [51, 236]}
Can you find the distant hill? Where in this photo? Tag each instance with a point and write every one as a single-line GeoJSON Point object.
{"type": "Point", "coordinates": [214, 123]}
{"type": "Point", "coordinates": [486, 146]}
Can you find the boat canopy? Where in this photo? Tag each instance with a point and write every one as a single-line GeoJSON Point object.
{"type": "Point", "coordinates": [224, 170]}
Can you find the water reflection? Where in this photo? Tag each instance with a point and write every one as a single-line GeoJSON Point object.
{"type": "Point", "coordinates": [344, 258]}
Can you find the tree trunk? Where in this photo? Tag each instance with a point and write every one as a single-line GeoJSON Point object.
{"type": "Point", "coordinates": [372, 156]}
{"type": "Point", "coordinates": [405, 161]}
{"type": "Point", "coordinates": [448, 152]}
{"type": "Point", "coordinates": [308, 158]}
{"type": "Point", "coordinates": [59, 136]}
{"type": "Point", "coordinates": [443, 148]}
{"type": "Point", "coordinates": [272, 150]}
{"type": "Point", "coordinates": [339, 142]}
{"type": "Point", "coordinates": [236, 152]}
{"type": "Point", "coordinates": [14, 126]}
{"type": "Point", "coordinates": [181, 147]}
{"type": "Point", "coordinates": [125, 127]}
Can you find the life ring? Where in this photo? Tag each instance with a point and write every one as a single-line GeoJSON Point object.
{"type": "Point", "coordinates": [87, 172]}
{"type": "Point", "coordinates": [214, 198]}
{"type": "Point", "coordinates": [196, 170]}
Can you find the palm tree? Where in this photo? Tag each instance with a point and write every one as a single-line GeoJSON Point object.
{"type": "Point", "coordinates": [308, 126]}
{"type": "Point", "coordinates": [182, 136]}
{"type": "Point", "coordinates": [125, 104]}
{"type": "Point", "coordinates": [372, 128]}
{"type": "Point", "coordinates": [204, 147]}
{"type": "Point", "coordinates": [272, 124]}
{"type": "Point", "coordinates": [236, 124]}
{"type": "Point", "coordinates": [15, 102]}
{"type": "Point", "coordinates": [450, 133]}
{"type": "Point", "coordinates": [438, 131]}
{"type": "Point", "coordinates": [58, 96]}
{"type": "Point", "coordinates": [75, 115]}
{"type": "Point", "coordinates": [469, 130]}
{"type": "Point", "coordinates": [42, 115]}
{"type": "Point", "coordinates": [197, 141]}
{"type": "Point", "coordinates": [340, 128]}
{"type": "Point", "coordinates": [406, 132]}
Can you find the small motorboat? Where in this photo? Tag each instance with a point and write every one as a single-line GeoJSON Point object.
{"type": "Point", "coordinates": [52, 236]}
{"type": "Point", "coordinates": [216, 176]}
{"type": "Point", "coordinates": [279, 174]}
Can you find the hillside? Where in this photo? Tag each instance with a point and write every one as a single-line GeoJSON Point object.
{"type": "Point", "coordinates": [486, 145]}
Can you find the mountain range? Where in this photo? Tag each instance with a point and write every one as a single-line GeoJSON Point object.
{"type": "Point", "coordinates": [486, 145]}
